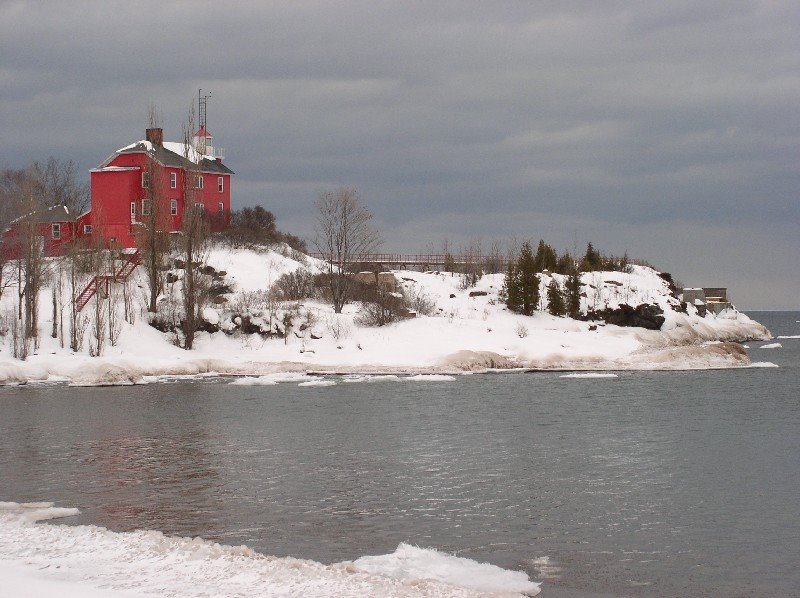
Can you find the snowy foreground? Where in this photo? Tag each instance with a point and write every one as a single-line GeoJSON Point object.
{"type": "Point", "coordinates": [468, 330]}
{"type": "Point", "coordinates": [41, 561]}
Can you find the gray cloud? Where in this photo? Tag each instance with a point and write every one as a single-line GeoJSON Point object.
{"type": "Point", "coordinates": [667, 129]}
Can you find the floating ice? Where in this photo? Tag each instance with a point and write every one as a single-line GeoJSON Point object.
{"type": "Point", "coordinates": [772, 346]}
{"type": "Point", "coordinates": [318, 383]}
{"type": "Point", "coordinates": [589, 375]}
{"type": "Point", "coordinates": [412, 563]}
{"type": "Point", "coordinates": [429, 378]}
{"type": "Point", "coordinates": [353, 378]}
{"type": "Point", "coordinates": [763, 364]}
{"type": "Point", "coordinates": [253, 381]}
{"type": "Point", "coordinates": [789, 336]}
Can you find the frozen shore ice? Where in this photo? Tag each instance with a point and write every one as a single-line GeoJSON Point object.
{"type": "Point", "coordinates": [43, 561]}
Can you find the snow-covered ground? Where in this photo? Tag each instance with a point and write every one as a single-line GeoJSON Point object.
{"type": "Point", "coordinates": [47, 561]}
{"type": "Point", "coordinates": [469, 330]}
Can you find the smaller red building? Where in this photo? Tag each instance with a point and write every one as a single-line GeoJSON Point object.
{"type": "Point", "coordinates": [56, 227]}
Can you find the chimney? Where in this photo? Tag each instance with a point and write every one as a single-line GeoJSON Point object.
{"type": "Point", "coordinates": [155, 136]}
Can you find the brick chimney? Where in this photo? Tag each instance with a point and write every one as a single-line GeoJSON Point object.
{"type": "Point", "coordinates": [155, 136]}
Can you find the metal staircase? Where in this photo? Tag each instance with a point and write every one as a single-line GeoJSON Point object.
{"type": "Point", "coordinates": [101, 282]}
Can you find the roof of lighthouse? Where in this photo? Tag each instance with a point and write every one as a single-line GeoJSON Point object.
{"type": "Point", "coordinates": [203, 132]}
{"type": "Point", "coordinates": [173, 154]}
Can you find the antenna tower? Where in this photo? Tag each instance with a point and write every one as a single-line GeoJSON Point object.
{"type": "Point", "coordinates": [202, 101]}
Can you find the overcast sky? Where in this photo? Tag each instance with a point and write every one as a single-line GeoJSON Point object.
{"type": "Point", "coordinates": [667, 129]}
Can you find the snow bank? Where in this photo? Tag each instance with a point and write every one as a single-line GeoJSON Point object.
{"type": "Point", "coordinates": [763, 364]}
{"type": "Point", "coordinates": [106, 374]}
{"type": "Point", "coordinates": [412, 563]}
{"type": "Point", "coordinates": [469, 330]}
{"type": "Point", "coordinates": [55, 560]}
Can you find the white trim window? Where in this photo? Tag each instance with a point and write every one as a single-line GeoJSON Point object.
{"type": "Point", "coordinates": [198, 181]}
{"type": "Point", "coordinates": [133, 211]}
{"type": "Point", "coordinates": [87, 229]}
{"type": "Point", "coordinates": [173, 207]}
{"type": "Point", "coordinates": [145, 180]}
{"type": "Point", "coordinates": [145, 207]}
{"type": "Point", "coordinates": [173, 180]}
{"type": "Point", "coordinates": [199, 207]}
{"type": "Point", "coordinates": [56, 231]}
{"type": "Point", "coordinates": [220, 207]}
{"type": "Point", "coordinates": [220, 184]}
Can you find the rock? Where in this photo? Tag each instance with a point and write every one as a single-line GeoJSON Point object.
{"type": "Point", "coordinates": [593, 327]}
{"type": "Point", "coordinates": [219, 289]}
{"type": "Point", "coordinates": [642, 316]}
{"type": "Point", "coordinates": [478, 293]}
{"type": "Point", "coordinates": [171, 277]}
{"type": "Point", "coordinates": [452, 295]}
{"type": "Point", "coordinates": [316, 334]}
{"type": "Point", "coordinates": [208, 270]}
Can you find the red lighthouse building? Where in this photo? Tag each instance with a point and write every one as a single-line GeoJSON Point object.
{"type": "Point", "coordinates": [125, 184]}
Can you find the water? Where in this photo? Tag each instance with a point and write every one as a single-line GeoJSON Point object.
{"type": "Point", "coordinates": [682, 483]}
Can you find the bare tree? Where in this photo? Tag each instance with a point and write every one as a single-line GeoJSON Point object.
{"type": "Point", "coordinates": [153, 236]}
{"type": "Point", "coordinates": [194, 241]}
{"type": "Point", "coordinates": [59, 184]}
{"type": "Point", "coordinates": [343, 231]}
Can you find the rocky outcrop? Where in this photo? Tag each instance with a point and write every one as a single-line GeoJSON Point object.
{"type": "Point", "coordinates": [645, 315]}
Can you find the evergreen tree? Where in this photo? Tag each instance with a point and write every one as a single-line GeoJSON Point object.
{"type": "Point", "coordinates": [510, 293]}
{"type": "Point", "coordinates": [592, 260]}
{"type": "Point", "coordinates": [555, 298]}
{"type": "Point", "coordinates": [564, 264]}
{"type": "Point", "coordinates": [572, 293]}
{"type": "Point", "coordinates": [528, 280]}
{"type": "Point", "coordinates": [546, 257]}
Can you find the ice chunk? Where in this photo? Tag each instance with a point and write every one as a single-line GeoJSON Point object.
{"type": "Point", "coordinates": [589, 375]}
{"type": "Point", "coordinates": [352, 378]}
{"type": "Point", "coordinates": [790, 336]}
{"type": "Point", "coordinates": [763, 364]}
{"type": "Point", "coordinates": [413, 563]}
{"type": "Point", "coordinates": [772, 346]}
{"type": "Point", "coordinates": [318, 383]}
{"type": "Point", "coordinates": [253, 381]}
{"type": "Point", "coordinates": [429, 378]}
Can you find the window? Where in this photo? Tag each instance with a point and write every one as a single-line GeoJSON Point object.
{"type": "Point", "coordinates": [220, 184]}
{"type": "Point", "coordinates": [173, 207]}
{"type": "Point", "coordinates": [199, 207]}
{"type": "Point", "coordinates": [57, 231]}
{"type": "Point", "coordinates": [133, 211]}
{"type": "Point", "coordinates": [145, 207]}
{"type": "Point", "coordinates": [173, 180]}
{"type": "Point", "coordinates": [198, 181]}
{"type": "Point", "coordinates": [87, 229]}
{"type": "Point", "coordinates": [220, 207]}
{"type": "Point", "coordinates": [145, 180]}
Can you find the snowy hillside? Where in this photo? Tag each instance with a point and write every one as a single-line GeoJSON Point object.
{"type": "Point", "coordinates": [467, 330]}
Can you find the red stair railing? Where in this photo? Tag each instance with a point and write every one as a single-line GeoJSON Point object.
{"type": "Point", "coordinates": [100, 281]}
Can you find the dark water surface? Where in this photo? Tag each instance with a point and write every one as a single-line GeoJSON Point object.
{"type": "Point", "coordinates": [678, 484]}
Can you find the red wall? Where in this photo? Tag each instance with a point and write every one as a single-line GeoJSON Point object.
{"type": "Point", "coordinates": [113, 192]}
